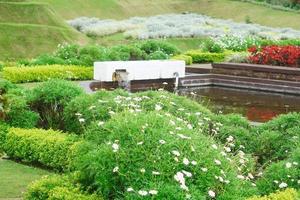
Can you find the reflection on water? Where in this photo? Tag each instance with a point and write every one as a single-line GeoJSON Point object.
{"type": "Point", "coordinates": [256, 106]}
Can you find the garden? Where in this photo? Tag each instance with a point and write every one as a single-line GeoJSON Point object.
{"type": "Point", "coordinates": [60, 142]}
{"type": "Point", "coordinates": [146, 145]}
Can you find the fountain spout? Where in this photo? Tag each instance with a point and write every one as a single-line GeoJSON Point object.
{"type": "Point", "coordinates": [122, 77]}
{"type": "Point", "coordinates": [176, 76]}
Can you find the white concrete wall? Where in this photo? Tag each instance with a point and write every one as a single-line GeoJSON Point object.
{"type": "Point", "coordinates": [139, 70]}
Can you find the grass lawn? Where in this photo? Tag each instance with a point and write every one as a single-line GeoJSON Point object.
{"type": "Point", "coordinates": [15, 177]}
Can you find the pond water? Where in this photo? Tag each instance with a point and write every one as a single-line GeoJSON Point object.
{"type": "Point", "coordinates": [256, 106]}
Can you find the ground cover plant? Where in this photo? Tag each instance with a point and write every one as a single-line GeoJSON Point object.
{"type": "Point", "coordinates": [177, 25]}
{"type": "Point", "coordinates": [150, 145]}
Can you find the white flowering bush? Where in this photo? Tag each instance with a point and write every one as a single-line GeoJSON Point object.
{"type": "Point", "coordinates": [103, 104]}
{"type": "Point", "coordinates": [154, 155]}
{"type": "Point", "coordinates": [178, 25]}
{"type": "Point", "coordinates": [281, 175]}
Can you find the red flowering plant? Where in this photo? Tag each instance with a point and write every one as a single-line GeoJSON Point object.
{"type": "Point", "coordinates": [276, 55]}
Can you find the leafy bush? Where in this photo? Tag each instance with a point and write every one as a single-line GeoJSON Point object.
{"type": "Point", "coordinates": [89, 54]}
{"type": "Point", "coordinates": [102, 105]}
{"type": "Point", "coordinates": [125, 53]}
{"type": "Point", "coordinates": [206, 57]}
{"type": "Point", "coordinates": [152, 46]}
{"type": "Point", "coordinates": [44, 73]}
{"type": "Point", "coordinates": [210, 45]}
{"type": "Point", "coordinates": [288, 194]}
{"type": "Point", "coordinates": [16, 111]}
{"type": "Point", "coordinates": [285, 173]}
{"type": "Point", "coordinates": [57, 188]}
{"type": "Point", "coordinates": [241, 57]}
{"type": "Point", "coordinates": [158, 55]}
{"type": "Point", "coordinates": [3, 132]}
{"type": "Point", "coordinates": [46, 60]}
{"type": "Point", "coordinates": [157, 155]}
{"type": "Point", "coordinates": [276, 138]}
{"type": "Point", "coordinates": [47, 147]}
{"type": "Point", "coordinates": [50, 99]}
{"type": "Point", "coordinates": [276, 55]}
{"type": "Point", "coordinates": [188, 59]}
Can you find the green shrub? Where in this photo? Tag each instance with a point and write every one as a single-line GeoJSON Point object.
{"type": "Point", "coordinates": [206, 57]}
{"type": "Point", "coordinates": [89, 54]}
{"type": "Point", "coordinates": [241, 57]}
{"type": "Point", "coordinates": [276, 138]}
{"type": "Point", "coordinates": [44, 73]}
{"type": "Point", "coordinates": [125, 53]}
{"type": "Point", "coordinates": [288, 194]}
{"type": "Point", "coordinates": [57, 188]}
{"type": "Point", "coordinates": [97, 107]}
{"type": "Point", "coordinates": [138, 151]}
{"type": "Point", "coordinates": [50, 99]}
{"type": "Point", "coordinates": [50, 148]}
{"type": "Point", "coordinates": [91, 107]}
{"type": "Point", "coordinates": [188, 59]}
{"type": "Point", "coordinates": [46, 60]}
{"type": "Point", "coordinates": [152, 46]}
{"type": "Point", "coordinates": [283, 172]}
{"type": "Point", "coordinates": [17, 113]}
{"type": "Point", "coordinates": [67, 51]}
{"type": "Point", "coordinates": [5, 86]}
{"type": "Point", "coordinates": [209, 45]}
{"type": "Point", "coordinates": [3, 132]}
{"type": "Point", "coordinates": [158, 55]}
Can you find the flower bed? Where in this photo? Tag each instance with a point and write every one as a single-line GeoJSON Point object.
{"type": "Point", "coordinates": [276, 55]}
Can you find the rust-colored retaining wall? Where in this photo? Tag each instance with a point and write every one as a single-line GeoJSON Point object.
{"type": "Point", "coordinates": [257, 71]}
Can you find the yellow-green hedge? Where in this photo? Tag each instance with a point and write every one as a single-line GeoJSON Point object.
{"type": "Point", "coordinates": [43, 73]}
{"type": "Point", "coordinates": [50, 148]}
{"type": "Point", "coordinates": [188, 59]}
{"type": "Point", "coordinates": [199, 56]}
{"type": "Point", "coordinates": [288, 194]}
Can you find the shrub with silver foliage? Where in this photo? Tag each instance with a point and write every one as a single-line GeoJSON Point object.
{"type": "Point", "coordinates": [178, 25]}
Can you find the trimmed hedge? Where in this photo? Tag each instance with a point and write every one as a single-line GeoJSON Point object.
{"type": "Point", "coordinates": [50, 148]}
{"type": "Point", "coordinates": [206, 57]}
{"type": "Point", "coordinates": [44, 73]}
{"type": "Point", "coordinates": [188, 59]}
{"type": "Point", "coordinates": [57, 188]}
{"type": "Point", "coordinates": [288, 194]}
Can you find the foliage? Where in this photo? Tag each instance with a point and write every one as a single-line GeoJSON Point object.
{"type": "Point", "coordinates": [275, 139]}
{"type": "Point", "coordinates": [237, 42]}
{"type": "Point", "coordinates": [57, 187]}
{"type": "Point", "coordinates": [152, 46]}
{"type": "Point", "coordinates": [126, 52]}
{"type": "Point", "coordinates": [240, 57]}
{"type": "Point", "coordinates": [210, 45]}
{"type": "Point", "coordinates": [50, 99]}
{"type": "Point", "coordinates": [3, 132]}
{"type": "Point", "coordinates": [206, 57]}
{"type": "Point", "coordinates": [282, 174]}
{"type": "Point", "coordinates": [16, 111]}
{"type": "Point", "coordinates": [157, 155]}
{"type": "Point", "coordinates": [50, 148]}
{"type": "Point", "coordinates": [178, 25]}
{"type": "Point", "coordinates": [158, 55]}
{"type": "Point", "coordinates": [44, 73]}
{"type": "Point", "coordinates": [99, 107]}
{"type": "Point", "coordinates": [276, 55]}
{"type": "Point", "coordinates": [288, 194]}
{"type": "Point", "coordinates": [187, 59]}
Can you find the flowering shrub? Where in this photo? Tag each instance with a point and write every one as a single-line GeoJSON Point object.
{"type": "Point", "coordinates": [177, 25]}
{"type": "Point", "coordinates": [276, 55]}
{"type": "Point", "coordinates": [155, 155]}
{"type": "Point", "coordinates": [282, 174]}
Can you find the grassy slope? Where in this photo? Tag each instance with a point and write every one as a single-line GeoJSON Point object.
{"type": "Point", "coordinates": [14, 178]}
{"type": "Point", "coordinates": [29, 29]}
{"type": "Point", "coordinates": [227, 9]}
